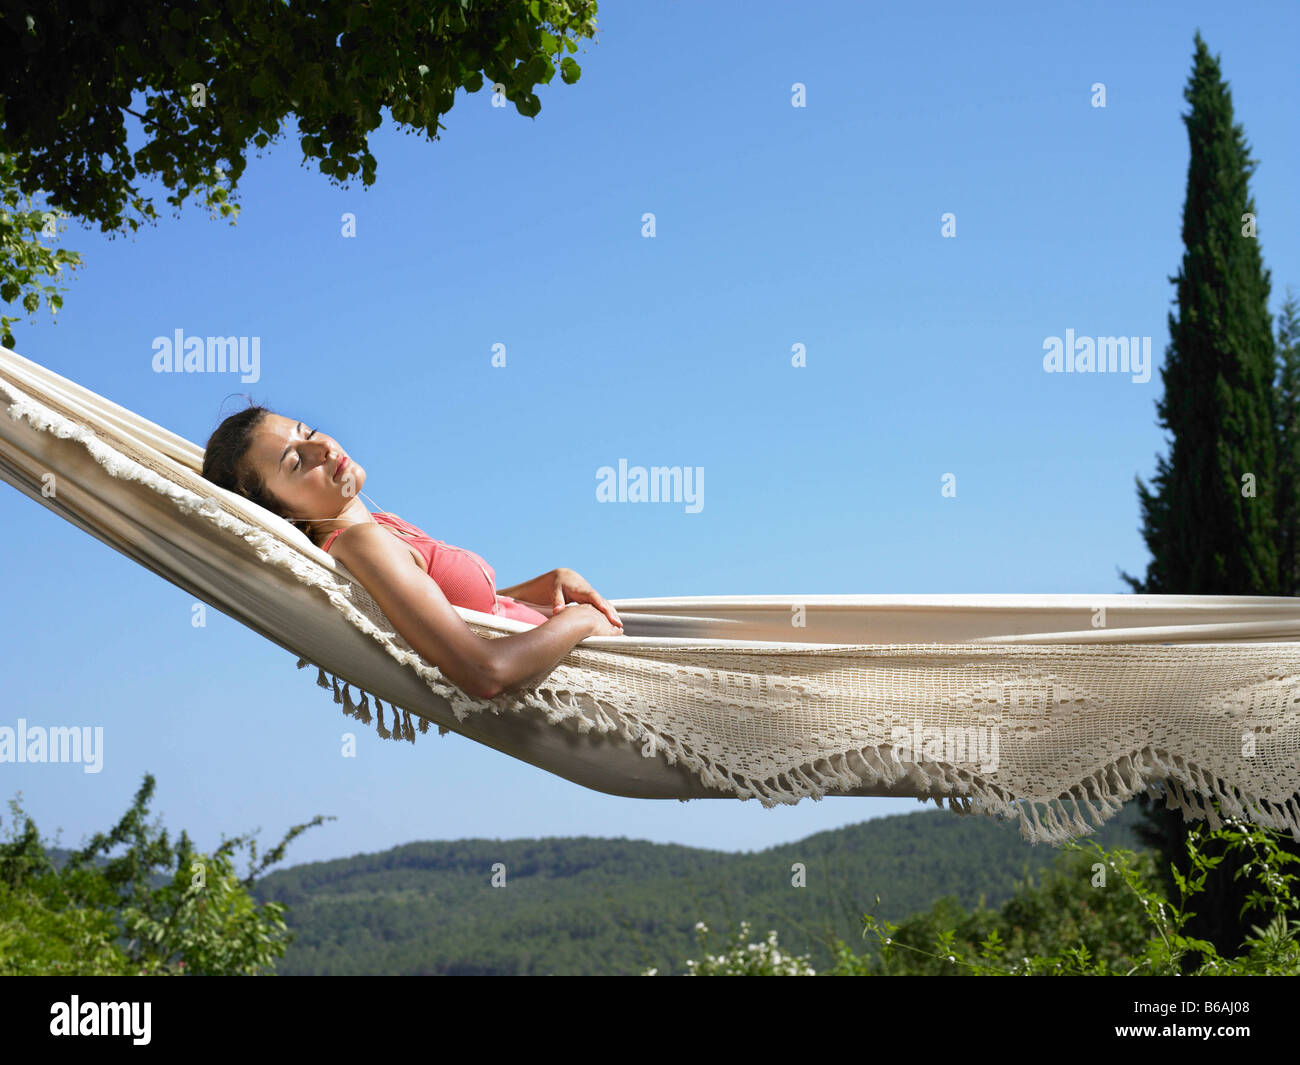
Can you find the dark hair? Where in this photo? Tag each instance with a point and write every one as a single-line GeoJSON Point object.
{"type": "Point", "coordinates": [225, 460]}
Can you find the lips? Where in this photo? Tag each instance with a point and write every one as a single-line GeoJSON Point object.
{"type": "Point", "coordinates": [340, 467]}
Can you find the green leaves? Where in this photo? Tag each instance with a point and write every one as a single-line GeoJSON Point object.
{"type": "Point", "coordinates": [25, 258]}
{"type": "Point", "coordinates": [201, 920]}
{"type": "Point", "coordinates": [538, 68]}
{"type": "Point", "coordinates": [99, 76]}
{"type": "Point", "coordinates": [1066, 926]}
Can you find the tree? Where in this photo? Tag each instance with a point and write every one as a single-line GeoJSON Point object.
{"type": "Point", "coordinates": [1211, 522]}
{"type": "Point", "coordinates": [1206, 525]}
{"type": "Point", "coordinates": [24, 260]}
{"type": "Point", "coordinates": [156, 908]}
{"type": "Point", "coordinates": [205, 79]}
{"type": "Point", "coordinates": [1288, 446]}
{"type": "Point", "coordinates": [1093, 913]}
{"type": "Point", "coordinates": [1103, 913]}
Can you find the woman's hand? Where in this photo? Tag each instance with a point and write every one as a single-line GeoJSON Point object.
{"type": "Point", "coordinates": [569, 586]}
{"type": "Point", "coordinates": [596, 621]}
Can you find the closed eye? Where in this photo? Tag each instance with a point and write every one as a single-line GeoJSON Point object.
{"type": "Point", "coordinates": [299, 457]}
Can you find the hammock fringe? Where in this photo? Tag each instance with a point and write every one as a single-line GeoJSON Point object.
{"type": "Point", "coordinates": [965, 793]}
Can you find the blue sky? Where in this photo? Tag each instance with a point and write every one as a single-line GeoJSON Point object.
{"type": "Point", "coordinates": [775, 226]}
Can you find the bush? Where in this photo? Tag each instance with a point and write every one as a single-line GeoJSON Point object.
{"type": "Point", "coordinates": [155, 909]}
{"type": "Point", "coordinates": [1094, 913]}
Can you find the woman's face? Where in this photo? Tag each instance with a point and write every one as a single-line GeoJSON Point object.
{"type": "Point", "coordinates": [305, 470]}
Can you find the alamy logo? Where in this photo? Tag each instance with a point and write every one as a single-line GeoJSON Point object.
{"type": "Point", "coordinates": [1099, 355]}
{"type": "Point", "coordinates": [102, 1018]}
{"type": "Point", "coordinates": [956, 745]}
{"type": "Point", "coordinates": [57, 744]}
{"type": "Point", "coordinates": [658, 484]}
{"type": "Point", "coordinates": [181, 354]}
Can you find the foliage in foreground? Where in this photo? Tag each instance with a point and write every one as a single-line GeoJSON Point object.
{"type": "Point", "coordinates": [198, 86]}
{"type": "Point", "coordinates": [1095, 913]}
{"type": "Point", "coordinates": [155, 909]}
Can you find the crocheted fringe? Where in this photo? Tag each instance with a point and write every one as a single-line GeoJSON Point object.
{"type": "Point", "coordinates": [1083, 809]}
{"type": "Point", "coordinates": [403, 726]}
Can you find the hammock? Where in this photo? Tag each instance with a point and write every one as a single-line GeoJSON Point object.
{"type": "Point", "coordinates": [1049, 709]}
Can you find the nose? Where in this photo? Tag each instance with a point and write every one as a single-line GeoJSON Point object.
{"type": "Point", "coordinates": [325, 450]}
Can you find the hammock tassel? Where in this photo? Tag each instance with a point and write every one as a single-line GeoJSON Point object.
{"type": "Point", "coordinates": [338, 697]}
{"type": "Point", "coordinates": [363, 711]}
{"type": "Point", "coordinates": [381, 727]}
{"type": "Point", "coordinates": [408, 728]}
{"type": "Point", "coordinates": [321, 682]}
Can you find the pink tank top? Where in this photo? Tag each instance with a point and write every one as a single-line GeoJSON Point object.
{"type": "Point", "coordinates": [465, 579]}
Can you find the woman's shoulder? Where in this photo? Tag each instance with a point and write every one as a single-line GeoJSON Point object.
{"type": "Point", "coordinates": [357, 532]}
{"type": "Point", "coordinates": [368, 537]}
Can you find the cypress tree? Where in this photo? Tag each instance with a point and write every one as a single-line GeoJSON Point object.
{"type": "Point", "coordinates": [1288, 446]}
{"type": "Point", "coordinates": [1211, 521]}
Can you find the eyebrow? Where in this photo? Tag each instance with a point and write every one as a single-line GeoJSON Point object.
{"type": "Point", "coordinates": [286, 450]}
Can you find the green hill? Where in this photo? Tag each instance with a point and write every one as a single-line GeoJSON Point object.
{"type": "Point", "coordinates": [607, 906]}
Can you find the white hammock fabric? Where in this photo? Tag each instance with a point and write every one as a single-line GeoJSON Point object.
{"type": "Point", "coordinates": [1033, 707]}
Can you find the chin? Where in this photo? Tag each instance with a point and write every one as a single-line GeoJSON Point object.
{"type": "Point", "coordinates": [358, 473]}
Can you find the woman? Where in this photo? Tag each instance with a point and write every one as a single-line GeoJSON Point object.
{"type": "Point", "coordinates": [305, 476]}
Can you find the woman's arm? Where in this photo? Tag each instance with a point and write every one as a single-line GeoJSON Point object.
{"type": "Point", "coordinates": [531, 592]}
{"type": "Point", "coordinates": [558, 587]}
{"type": "Point", "coordinates": [480, 666]}
{"type": "Point", "coordinates": [541, 608]}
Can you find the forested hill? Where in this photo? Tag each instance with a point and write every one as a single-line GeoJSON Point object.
{"type": "Point", "coordinates": [603, 906]}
